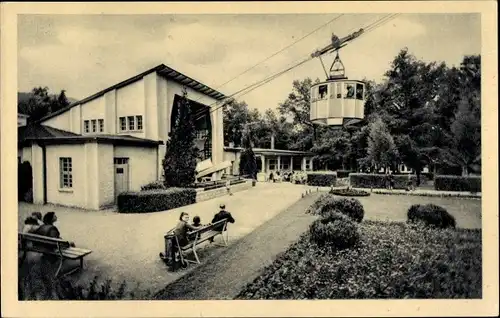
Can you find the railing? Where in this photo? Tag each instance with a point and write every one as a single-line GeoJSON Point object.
{"type": "Point", "coordinates": [210, 185]}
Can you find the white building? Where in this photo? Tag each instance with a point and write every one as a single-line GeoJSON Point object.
{"type": "Point", "coordinates": [114, 141]}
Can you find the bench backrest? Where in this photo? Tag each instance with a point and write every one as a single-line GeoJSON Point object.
{"type": "Point", "coordinates": [219, 224]}
{"type": "Point", "coordinates": [40, 243]}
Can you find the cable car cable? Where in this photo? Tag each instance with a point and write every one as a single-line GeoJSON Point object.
{"type": "Point", "coordinates": [256, 85]}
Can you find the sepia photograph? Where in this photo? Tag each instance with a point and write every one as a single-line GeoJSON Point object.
{"type": "Point", "coordinates": [250, 156]}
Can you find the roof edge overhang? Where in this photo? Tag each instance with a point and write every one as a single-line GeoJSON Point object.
{"type": "Point", "coordinates": [89, 139]}
{"type": "Point", "coordinates": [259, 151]}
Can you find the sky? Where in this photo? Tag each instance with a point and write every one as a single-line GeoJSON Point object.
{"type": "Point", "coordinates": [84, 54]}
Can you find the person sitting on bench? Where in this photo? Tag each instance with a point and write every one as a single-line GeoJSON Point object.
{"type": "Point", "coordinates": [30, 225]}
{"type": "Point", "coordinates": [196, 221]}
{"type": "Point", "coordinates": [49, 229]}
{"type": "Point", "coordinates": [223, 214]}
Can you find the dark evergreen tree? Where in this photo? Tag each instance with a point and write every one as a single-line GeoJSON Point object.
{"type": "Point", "coordinates": [248, 163]}
{"type": "Point", "coordinates": [180, 161]}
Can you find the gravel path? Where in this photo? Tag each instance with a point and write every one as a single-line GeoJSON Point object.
{"type": "Point", "coordinates": [224, 274]}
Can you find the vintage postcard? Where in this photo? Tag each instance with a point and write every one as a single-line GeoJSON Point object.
{"type": "Point", "coordinates": [249, 159]}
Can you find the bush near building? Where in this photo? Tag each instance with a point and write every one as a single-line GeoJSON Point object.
{"type": "Point", "coordinates": [458, 183]}
{"type": "Point", "coordinates": [155, 200]}
{"type": "Point", "coordinates": [321, 179]}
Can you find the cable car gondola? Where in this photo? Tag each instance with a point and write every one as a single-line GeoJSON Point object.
{"type": "Point", "coordinates": [338, 101]}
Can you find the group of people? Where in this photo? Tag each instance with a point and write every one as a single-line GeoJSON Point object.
{"type": "Point", "coordinates": [183, 229]}
{"type": "Point", "coordinates": [36, 224]}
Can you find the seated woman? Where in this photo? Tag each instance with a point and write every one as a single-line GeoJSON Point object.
{"type": "Point", "coordinates": [48, 228]}
{"type": "Point", "coordinates": [181, 232]}
{"type": "Point", "coordinates": [30, 225]}
{"type": "Point", "coordinates": [196, 221]}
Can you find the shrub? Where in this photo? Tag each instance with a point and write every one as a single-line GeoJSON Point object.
{"type": "Point", "coordinates": [64, 289]}
{"type": "Point", "coordinates": [155, 185]}
{"type": "Point", "coordinates": [458, 183]}
{"type": "Point", "coordinates": [320, 201]}
{"type": "Point", "coordinates": [349, 192]}
{"type": "Point", "coordinates": [368, 180]}
{"type": "Point", "coordinates": [321, 179]}
{"type": "Point", "coordinates": [155, 200]}
{"type": "Point", "coordinates": [348, 206]}
{"type": "Point", "coordinates": [431, 214]}
{"type": "Point", "coordinates": [334, 229]}
{"type": "Point", "coordinates": [343, 173]}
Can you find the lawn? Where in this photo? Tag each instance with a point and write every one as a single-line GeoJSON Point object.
{"type": "Point", "coordinates": [393, 260]}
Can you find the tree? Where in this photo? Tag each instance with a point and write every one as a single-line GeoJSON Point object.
{"type": "Point", "coordinates": [236, 115]}
{"type": "Point", "coordinates": [381, 150]}
{"type": "Point", "coordinates": [248, 162]}
{"type": "Point", "coordinates": [180, 159]}
{"type": "Point", "coordinates": [62, 100]}
{"type": "Point", "coordinates": [298, 105]}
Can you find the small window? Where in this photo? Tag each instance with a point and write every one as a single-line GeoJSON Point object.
{"type": "Point", "coordinates": [119, 170]}
{"type": "Point", "coordinates": [323, 91]}
{"type": "Point", "coordinates": [86, 127]}
{"type": "Point", "coordinates": [349, 91]}
{"type": "Point", "coordinates": [94, 125]}
{"type": "Point", "coordinates": [101, 125]}
{"type": "Point", "coordinates": [123, 124]}
{"type": "Point", "coordinates": [120, 161]}
{"type": "Point", "coordinates": [359, 91]}
{"type": "Point", "coordinates": [66, 172]}
{"type": "Point", "coordinates": [131, 123]}
{"type": "Point", "coordinates": [139, 122]}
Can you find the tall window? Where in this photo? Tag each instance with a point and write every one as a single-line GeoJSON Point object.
{"type": "Point", "coordinates": [86, 126]}
{"type": "Point", "coordinates": [339, 90]}
{"type": "Point", "coordinates": [94, 125]}
{"type": "Point", "coordinates": [65, 172]}
{"type": "Point", "coordinates": [101, 125]}
{"type": "Point", "coordinates": [123, 124]}
{"type": "Point", "coordinates": [359, 91]}
{"type": "Point", "coordinates": [131, 123]}
{"type": "Point", "coordinates": [272, 164]}
{"type": "Point", "coordinates": [323, 91]}
{"type": "Point", "coordinates": [349, 91]}
{"type": "Point", "coordinates": [139, 122]}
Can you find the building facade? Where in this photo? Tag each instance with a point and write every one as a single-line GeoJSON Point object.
{"type": "Point", "coordinates": [115, 140]}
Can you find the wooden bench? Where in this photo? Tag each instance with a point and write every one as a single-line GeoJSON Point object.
{"type": "Point", "coordinates": [199, 236]}
{"type": "Point", "coordinates": [28, 242]}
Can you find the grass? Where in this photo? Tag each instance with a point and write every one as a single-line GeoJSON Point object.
{"type": "Point", "coordinates": [392, 261]}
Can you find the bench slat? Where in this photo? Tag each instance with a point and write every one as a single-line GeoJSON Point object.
{"type": "Point", "coordinates": [70, 253]}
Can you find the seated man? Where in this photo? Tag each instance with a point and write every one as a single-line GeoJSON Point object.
{"type": "Point", "coordinates": [223, 214]}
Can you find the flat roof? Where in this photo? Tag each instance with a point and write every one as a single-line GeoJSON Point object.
{"type": "Point", "coordinates": [272, 152]}
{"type": "Point", "coordinates": [162, 70]}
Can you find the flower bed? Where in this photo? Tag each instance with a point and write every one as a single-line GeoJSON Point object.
{"type": "Point", "coordinates": [349, 192]}
{"type": "Point", "coordinates": [392, 260]}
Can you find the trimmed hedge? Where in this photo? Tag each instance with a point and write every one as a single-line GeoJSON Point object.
{"type": "Point", "coordinates": [431, 214]}
{"type": "Point", "coordinates": [368, 180]}
{"type": "Point", "coordinates": [334, 229]}
{"type": "Point", "coordinates": [343, 173]}
{"type": "Point", "coordinates": [458, 183]}
{"type": "Point", "coordinates": [155, 200]}
{"type": "Point", "coordinates": [321, 179]}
